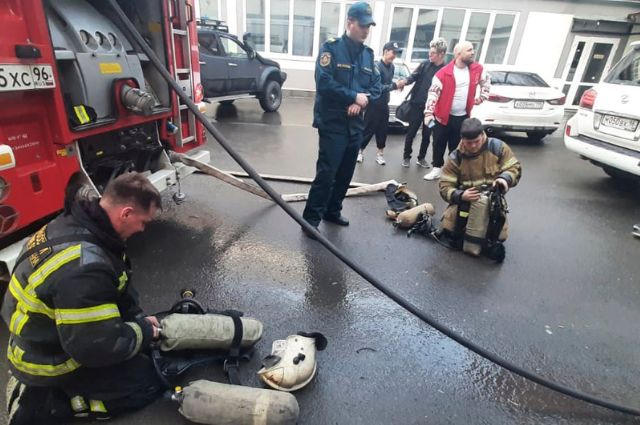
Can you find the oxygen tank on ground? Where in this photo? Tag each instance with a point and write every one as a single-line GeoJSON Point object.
{"type": "Point", "coordinates": [477, 225]}
{"type": "Point", "coordinates": [205, 331]}
{"type": "Point", "coordinates": [207, 402]}
{"type": "Point", "coordinates": [408, 218]}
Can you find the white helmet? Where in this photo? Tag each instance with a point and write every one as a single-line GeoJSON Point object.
{"type": "Point", "coordinates": [292, 362]}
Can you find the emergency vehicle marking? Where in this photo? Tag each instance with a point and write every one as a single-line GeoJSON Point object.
{"type": "Point", "coordinates": [110, 68]}
{"type": "Point", "coordinates": [26, 77]}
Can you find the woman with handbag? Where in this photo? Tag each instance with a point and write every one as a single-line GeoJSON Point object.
{"type": "Point", "coordinates": [422, 77]}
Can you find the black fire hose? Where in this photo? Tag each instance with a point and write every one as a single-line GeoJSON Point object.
{"type": "Point", "coordinates": [335, 251]}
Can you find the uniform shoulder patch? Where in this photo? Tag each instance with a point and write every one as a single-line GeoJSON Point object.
{"type": "Point", "coordinates": [38, 238]}
{"type": "Point", "coordinates": [325, 59]}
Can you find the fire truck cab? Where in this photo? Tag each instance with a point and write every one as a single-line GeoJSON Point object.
{"type": "Point", "coordinates": [77, 95]}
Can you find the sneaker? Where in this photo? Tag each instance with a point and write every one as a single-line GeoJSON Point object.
{"type": "Point", "coordinates": [380, 159]}
{"type": "Point", "coordinates": [405, 163]}
{"type": "Point", "coordinates": [636, 230]}
{"type": "Point", "coordinates": [422, 163]}
{"type": "Point", "coordinates": [360, 157]}
{"type": "Point", "coordinates": [434, 174]}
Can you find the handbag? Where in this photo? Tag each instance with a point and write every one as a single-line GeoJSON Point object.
{"type": "Point", "coordinates": [403, 111]}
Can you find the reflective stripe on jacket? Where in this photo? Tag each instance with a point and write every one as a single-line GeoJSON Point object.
{"type": "Point", "coordinates": [71, 305]}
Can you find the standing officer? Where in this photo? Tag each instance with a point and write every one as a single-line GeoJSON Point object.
{"type": "Point", "coordinates": [377, 117]}
{"type": "Point", "coordinates": [346, 80]}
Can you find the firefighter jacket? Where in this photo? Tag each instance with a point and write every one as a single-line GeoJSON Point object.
{"type": "Point", "coordinates": [464, 170]}
{"type": "Point", "coordinates": [344, 68]}
{"type": "Point", "coordinates": [71, 305]}
{"type": "Point", "coordinates": [443, 88]}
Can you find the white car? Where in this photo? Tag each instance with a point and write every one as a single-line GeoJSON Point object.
{"type": "Point", "coordinates": [396, 97]}
{"type": "Point", "coordinates": [606, 129]}
{"type": "Point", "coordinates": [522, 101]}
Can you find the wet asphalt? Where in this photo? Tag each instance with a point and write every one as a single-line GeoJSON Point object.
{"type": "Point", "coordinates": [564, 304]}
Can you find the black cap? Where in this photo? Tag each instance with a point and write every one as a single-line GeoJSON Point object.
{"type": "Point", "coordinates": [361, 12]}
{"type": "Point", "coordinates": [392, 45]}
{"type": "Point", "coordinates": [471, 128]}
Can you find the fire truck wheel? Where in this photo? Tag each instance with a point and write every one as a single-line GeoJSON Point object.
{"type": "Point", "coordinates": [271, 99]}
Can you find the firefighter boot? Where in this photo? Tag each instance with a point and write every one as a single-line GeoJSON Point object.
{"type": "Point", "coordinates": [27, 405]}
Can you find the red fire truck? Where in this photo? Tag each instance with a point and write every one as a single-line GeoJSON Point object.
{"type": "Point", "coordinates": [77, 95]}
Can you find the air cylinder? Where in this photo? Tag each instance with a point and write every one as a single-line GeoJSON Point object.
{"type": "Point", "coordinates": [477, 225]}
{"type": "Point", "coordinates": [207, 402]}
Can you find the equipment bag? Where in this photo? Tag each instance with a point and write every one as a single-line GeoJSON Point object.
{"type": "Point", "coordinates": [403, 111]}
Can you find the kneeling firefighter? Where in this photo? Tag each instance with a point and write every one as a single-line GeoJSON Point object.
{"type": "Point", "coordinates": [474, 179]}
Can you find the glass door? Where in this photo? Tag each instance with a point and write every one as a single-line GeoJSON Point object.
{"type": "Point", "coordinates": [589, 61]}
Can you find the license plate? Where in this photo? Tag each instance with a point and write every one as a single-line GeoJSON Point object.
{"type": "Point", "coordinates": [26, 77]}
{"type": "Point", "coordinates": [527, 104]}
{"type": "Point", "coordinates": [620, 123]}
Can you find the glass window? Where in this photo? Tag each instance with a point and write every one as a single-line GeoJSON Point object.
{"type": "Point", "coordinates": [208, 44]}
{"type": "Point", "coordinates": [400, 25]}
{"type": "Point", "coordinates": [279, 26]}
{"type": "Point", "coordinates": [425, 31]}
{"type": "Point", "coordinates": [497, 49]}
{"type": "Point", "coordinates": [477, 31]}
{"type": "Point", "coordinates": [627, 71]}
{"type": "Point", "coordinates": [303, 22]}
{"type": "Point", "coordinates": [209, 9]}
{"type": "Point", "coordinates": [255, 22]}
{"type": "Point", "coordinates": [232, 48]}
{"type": "Point", "coordinates": [597, 61]}
{"type": "Point", "coordinates": [400, 71]}
{"type": "Point", "coordinates": [507, 78]}
{"type": "Point", "coordinates": [329, 21]}
{"type": "Point", "coordinates": [451, 26]}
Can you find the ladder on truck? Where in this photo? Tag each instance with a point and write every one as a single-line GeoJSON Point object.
{"type": "Point", "coordinates": [179, 20]}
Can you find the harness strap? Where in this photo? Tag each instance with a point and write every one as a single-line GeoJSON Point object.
{"type": "Point", "coordinates": [232, 362]}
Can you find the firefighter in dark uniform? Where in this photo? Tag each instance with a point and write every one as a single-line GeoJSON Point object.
{"type": "Point", "coordinates": [77, 335]}
{"type": "Point", "coordinates": [346, 81]}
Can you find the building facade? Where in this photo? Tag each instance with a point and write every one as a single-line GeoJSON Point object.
{"type": "Point", "coordinates": [572, 43]}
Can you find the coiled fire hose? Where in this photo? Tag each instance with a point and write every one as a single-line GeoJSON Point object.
{"type": "Point", "coordinates": [401, 301]}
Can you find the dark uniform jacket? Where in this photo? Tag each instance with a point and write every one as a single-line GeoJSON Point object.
{"type": "Point", "coordinates": [344, 68]}
{"type": "Point", "coordinates": [71, 305]}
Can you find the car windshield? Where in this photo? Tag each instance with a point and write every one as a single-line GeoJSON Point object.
{"type": "Point", "coordinates": [627, 71]}
{"type": "Point", "coordinates": [509, 78]}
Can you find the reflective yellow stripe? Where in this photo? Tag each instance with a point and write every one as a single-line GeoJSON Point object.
{"type": "Point", "coordinates": [476, 183]}
{"type": "Point", "coordinates": [448, 178]}
{"type": "Point", "coordinates": [450, 193]}
{"type": "Point", "coordinates": [18, 320]}
{"type": "Point", "coordinates": [463, 214]}
{"type": "Point", "coordinates": [510, 163]}
{"type": "Point", "coordinates": [30, 303]}
{"type": "Point", "coordinates": [97, 406]}
{"type": "Point", "coordinates": [81, 114]}
{"type": "Point", "coordinates": [138, 331]}
{"type": "Point", "coordinates": [51, 265]}
{"type": "Point", "coordinates": [123, 281]}
{"type": "Point", "coordinates": [72, 316]}
{"type": "Point", "coordinates": [78, 404]}
{"type": "Point", "coordinates": [15, 357]}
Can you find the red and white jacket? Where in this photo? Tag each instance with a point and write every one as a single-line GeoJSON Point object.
{"type": "Point", "coordinates": [443, 87]}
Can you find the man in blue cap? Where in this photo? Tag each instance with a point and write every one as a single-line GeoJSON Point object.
{"type": "Point", "coordinates": [346, 81]}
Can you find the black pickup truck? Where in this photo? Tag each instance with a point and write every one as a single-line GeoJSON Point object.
{"type": "Point", "coordinates": [231, 69]}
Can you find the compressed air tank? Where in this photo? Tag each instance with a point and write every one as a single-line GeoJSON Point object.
{"type": "Point", "coordinates": [408, 218]}
{"type": "Point", "coordinates": [477, 225]}
{"type": "Point", "coordinates": [205, 331]}
{"type": "Point", "coordinates": [207, 402]}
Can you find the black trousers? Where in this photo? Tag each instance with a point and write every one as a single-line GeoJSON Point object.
{"type": "Point", "coordinates": [416, 122]}
{"type": "Point", "coordinates": [334, 169]}
{"type": "Point", "coordinates": [376, 121]}
{"type": "Point", "coordinates": [446, 136]}
{"type": "Point", "coordinates": [122, 387]}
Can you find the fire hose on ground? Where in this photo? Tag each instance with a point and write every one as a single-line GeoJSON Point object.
{"type": "Point", "coordinates": [401, 301]}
